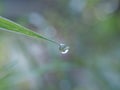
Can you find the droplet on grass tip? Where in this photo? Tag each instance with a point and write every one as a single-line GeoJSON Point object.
{"type": "Point", "coordinates": [63, 48]}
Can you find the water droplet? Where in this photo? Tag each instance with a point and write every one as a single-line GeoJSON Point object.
{"type": "Point", "coordinates": [63, 48]}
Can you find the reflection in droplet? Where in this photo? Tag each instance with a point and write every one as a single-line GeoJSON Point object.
{"type": "Point", "coordinates": [63, 48]}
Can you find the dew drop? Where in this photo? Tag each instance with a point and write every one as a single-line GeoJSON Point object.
{"type": "Point", "coordinates": [63, 48]}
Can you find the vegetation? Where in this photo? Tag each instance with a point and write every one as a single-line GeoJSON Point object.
{"type": "Point", "coordinates": [89, 27]}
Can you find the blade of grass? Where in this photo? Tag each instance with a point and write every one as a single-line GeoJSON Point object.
{"type": "Point", "coordinates": [6, 24]}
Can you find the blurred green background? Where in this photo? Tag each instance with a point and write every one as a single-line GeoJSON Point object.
{"type": "Point", "coordinates": [90, 27]}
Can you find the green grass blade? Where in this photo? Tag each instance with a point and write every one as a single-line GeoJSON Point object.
{"type": "Point", "coordinates": [9, 25]}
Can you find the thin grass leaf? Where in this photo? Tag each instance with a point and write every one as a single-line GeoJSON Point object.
{"type": "Point", "coordinates": [9, 25]}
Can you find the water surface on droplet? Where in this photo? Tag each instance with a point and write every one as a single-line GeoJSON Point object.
{"type": "Point", "coordinates": [63, 48]}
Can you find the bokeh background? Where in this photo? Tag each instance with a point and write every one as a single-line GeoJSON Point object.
{"type": "Point", "coordinates": [91, 28]}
